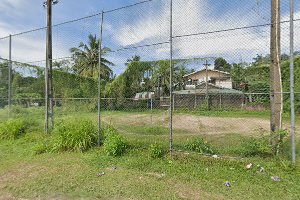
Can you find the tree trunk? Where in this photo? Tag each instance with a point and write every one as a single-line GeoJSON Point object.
{"type": "Point", "coordinates": [276, 98]}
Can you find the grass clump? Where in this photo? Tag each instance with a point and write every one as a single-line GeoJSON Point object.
{"type": "Point", "coordinates": [41, 148]}
{"type": "Point", "coordinates": [114, 143]}
{"type": "Point", "coordinates": [199, 145]}
{"type": "Point", "coordinates": [256, 147]}
{"type": "Point", "coordinates": [12, 129]}
{"type": "Point", "coordinates": [75, 135]}
{"type": "Point", "coordinates": [156, 151]}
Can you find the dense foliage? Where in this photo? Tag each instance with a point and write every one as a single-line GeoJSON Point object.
{"type": "Point", "coordinates": [75, 135]}
{"type": "Point", "coordinates": [256, 147]}
{"type": "Point", "coordinates": [77, 78]}
{"type": "Point", "coordinates": [199, 145]}
{"type": "Point", "coordinates": [12, 129]}
{"type": "Point", "coordinates": [114, 143]}
{"type": "Point", "coordinates": [156, 151]}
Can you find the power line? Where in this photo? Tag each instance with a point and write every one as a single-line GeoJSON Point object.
{"type": "Point", "coordinates": [156, 44]}
{"type": "Point", "coordinates": [78, 19]}
{"type": "Point", "coordinates": [231, 29]}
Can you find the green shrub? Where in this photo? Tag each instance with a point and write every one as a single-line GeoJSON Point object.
{"type": "Point", "coordinates": [256, 147]}
{"type": "Point", "coordinates": [75, 135]}
{"type": "Point", "coordinates": [199, 145]}
{"type": "Point", "coordinates": [12, 129]}
{"type": "Point", "coordinates": [114, 143]}
{"type": "Point", "coordinates": [156, 151]}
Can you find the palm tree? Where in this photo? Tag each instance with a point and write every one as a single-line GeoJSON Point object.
{"type": "Point", "coordinates": [86, 59]}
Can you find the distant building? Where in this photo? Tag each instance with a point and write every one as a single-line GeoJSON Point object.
{"type": "Point", "coordinates": [144, 95]}
{"type": "Point", "coordinates": [215, 77]}
{"type": "Point", "coordinates": [219, 90]}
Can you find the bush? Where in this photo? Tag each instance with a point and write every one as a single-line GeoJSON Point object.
{"type": "Point", "coordinates": [75, 135]}
{"type": "Point", "coordinates": [199, 145]}
{"type": "Point", "coordinates": [156, 151]}
{"type": "Point", "coordinates": [114, 143]}
{"type": "Point", "coordinates": [12, 129]}
{"type": "Point", "coordinates": [256, 147]}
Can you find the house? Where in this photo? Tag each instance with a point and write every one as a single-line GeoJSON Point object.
{"type": "Point", "coordinates": [215, 77]}
{"type": "Point", "coordinates": [218, 89]}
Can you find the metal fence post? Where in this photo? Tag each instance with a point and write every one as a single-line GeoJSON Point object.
{"type": "Point", "coordinates": [151, 105]}
{"type": "Point", "coordinates": [99, 79]}
{"type": "Point", "coordinates": [171, 75]}
{"type": "Point", "coordinates": [292, 97]}
{"type": "Point", "coordinates": [46, 94]}
{"type": "Point", "coordinates": [9, 76]}
{"type": "Point", "coordinates": [173, 103]}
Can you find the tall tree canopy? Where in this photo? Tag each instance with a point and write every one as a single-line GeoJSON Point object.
{"type": "Point", "coordinates": [86, 59]}
{"type": "Point", "coordinates": [222, 65]}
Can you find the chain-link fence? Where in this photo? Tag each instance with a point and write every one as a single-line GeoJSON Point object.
{"type": "Point", "coordinates": [220, 57]}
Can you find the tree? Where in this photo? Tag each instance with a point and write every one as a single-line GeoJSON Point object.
{"type": "Point", "coordinates": [86, 59]}
{"type": "Point", "coordinates": [238, 75]}
{"type": "Point", "coordinates": [62, 65]}
{"type": "Point", "coordinates": [260, 59]}
{"type": "Point", "coordinates": [129, 82]}
{"type": "Point", "coordinates": [134, 58]}
{"type": "Point", "coordinates": [179, 72]}
{"type": "Point", "coordinates": [162, 70]}
{"type": "Point", "coordinates": [222, 65]}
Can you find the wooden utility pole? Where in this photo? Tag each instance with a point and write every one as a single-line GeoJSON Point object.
{"type": "Point", "coordinates": [276, 98]}
{"type": "Point", "coordinates": [292, 81]}
{"type": "Point", "coordinates": [48, 71]}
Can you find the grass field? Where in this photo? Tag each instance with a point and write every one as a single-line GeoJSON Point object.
{"type": "Point", "coordinates": [135, 175]}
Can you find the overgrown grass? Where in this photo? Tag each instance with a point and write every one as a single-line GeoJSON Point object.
{"type": "Point", "coordinates": [114, 143]}
{"type": "Point", "coordinates": [136, 176]}
{"type": "Point", "coordinates": [146, 130]}
{"type": "Point", "coordinates": [12, 129]}
{"type": "Point", "coordinates": [75, 135]}
{"type": "Point", "coordinates": [156, 151]}
{"type": "Point", "coordinates": [29, 170]}
{"type": "Point", "coordinates": [199, 145]}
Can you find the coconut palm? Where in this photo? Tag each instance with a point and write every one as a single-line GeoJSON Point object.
{"type": "Point", "coordinates": [86, 59]}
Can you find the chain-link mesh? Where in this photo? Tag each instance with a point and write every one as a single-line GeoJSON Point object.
{"type": "Point", "coordinates": [221, 70]}
{"type": "Point", "coordinates": [3, 89]}
{"type": "Point", "coordinates": [138, 38]}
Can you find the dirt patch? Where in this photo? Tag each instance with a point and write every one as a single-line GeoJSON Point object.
{"type": "Point", "coordinates": [219, 125]}
{"type": "Point", "coordinates": [6, 197]}
{"type": "Point", "coordinates": [190, 124]}
{"type": "Point", "coordinates": [185, 124]}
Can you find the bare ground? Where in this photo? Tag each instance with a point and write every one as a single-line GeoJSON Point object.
{"type": "Point", "coordinates": [191, 124]}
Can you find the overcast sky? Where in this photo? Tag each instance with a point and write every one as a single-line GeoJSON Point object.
{"type": "Point", "coordinates": [145, 24]}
